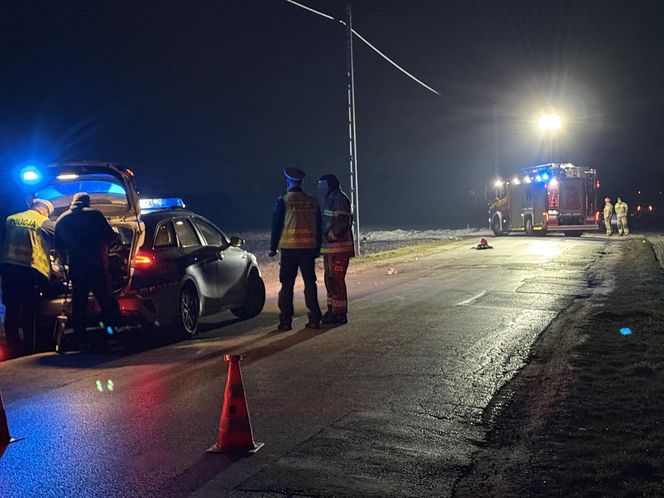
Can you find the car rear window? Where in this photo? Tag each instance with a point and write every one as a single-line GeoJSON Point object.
{"type": "Point", "coordinates": [186, 234]}
{"type": "Point", "coordinates": [104, 190]}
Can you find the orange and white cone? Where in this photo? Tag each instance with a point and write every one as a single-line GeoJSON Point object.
{"type": "Point", "coordinates": [235, 434]}
{"type": "Point", "coordinates": [5, 438]}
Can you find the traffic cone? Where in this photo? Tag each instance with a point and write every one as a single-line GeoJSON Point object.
{"type": "Point", "coordinates": [5, 438]}
{"type": "Point", "coordinates": [235, 435]}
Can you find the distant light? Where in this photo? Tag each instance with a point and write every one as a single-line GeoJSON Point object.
{"type": "Point", "coordinates": [638, 208]}
{"type": "Point", "coordinates": [526, 179]}
{"type": "Point", "coordinates": [110, 385]}
{"type": "Point", "coordinates": [639, 192]}
{"type": "Point", "coordinates": [597, 184]}
{"type": "Point", "coordinates": [109, 330]}
{"type": "Point", "coordinates": [498, 183]}
{"type": "Point", "coordinates": [650, 208]}
{"type": "Point", "coordinates": [549, 122]}
{"type": "Point", "coordinates": [545, 176]}
{"type": "Point", "coordinates": [516, 180]}
{"type": "Point", "coordinates": [626, 331]}
{"type": "Point", "coordinates": [67, 176]}
{"type": "Point", "coordinates": [30, 175]}
{"type": "Point", "coordinates": [553, 183]}
{"type": "Point", "coordinates": [99, 385]}
{"type": "Point", "coordinates": [538, 178]}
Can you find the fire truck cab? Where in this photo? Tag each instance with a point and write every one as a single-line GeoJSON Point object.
{"type": "Point", "coordinates": [553, 197]}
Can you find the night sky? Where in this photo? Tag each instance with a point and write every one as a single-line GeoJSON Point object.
{"type": "Point", "coordinates": [209, 100]}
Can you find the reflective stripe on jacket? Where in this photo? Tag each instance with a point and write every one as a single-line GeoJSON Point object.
{"type": "Point", "coordinates": [337, 225]}
{"type": "Point", "coordinates": [24, 244]}
{"type": "Point", "coordinates": [621, 208]}
{"type": "Point", "coordinates": [300, 227]}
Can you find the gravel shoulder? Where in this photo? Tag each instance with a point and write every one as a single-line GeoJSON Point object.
{"type": "Point", "coordinates": [583, 417]}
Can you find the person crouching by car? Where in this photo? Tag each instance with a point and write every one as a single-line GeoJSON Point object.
{"type": "Point", "coordinates": [83, 238]}
{"type": "Point", "coordinates": [26, 269]}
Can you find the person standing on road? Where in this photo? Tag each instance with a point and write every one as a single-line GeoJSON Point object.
{"type": "Point", "coordinates": [337, 247]}
{"type": "Point", "coordinates": [26, 270]}
{"type": "Point", "coordinates": [83, 237]}
{"type": "Point", "coordinates": [296, 231]}
{"type": "Point", "coordinates": [621, 214]}
{"type": "Point", "coordinates": [608, 213]}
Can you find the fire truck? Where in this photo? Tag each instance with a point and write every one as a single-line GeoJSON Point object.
{"type": "Point", "coordinates": [553, 197]}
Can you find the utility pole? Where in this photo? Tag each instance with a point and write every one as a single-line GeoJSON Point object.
{"type": "Point", "coordinates": [352, 137]}
{"type": "Point", "coordinates": [496, 143]}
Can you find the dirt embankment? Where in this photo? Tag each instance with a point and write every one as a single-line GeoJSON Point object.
{"type": "Point", "coordinates": [584, 418]}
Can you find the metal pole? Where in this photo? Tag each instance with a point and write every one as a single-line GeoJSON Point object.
{"type": "Point", "coordinates": [496, 142]}
{"type": "Point", "coordinates": [352, 137]}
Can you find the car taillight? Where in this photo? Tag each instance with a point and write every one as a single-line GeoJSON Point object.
{"type": "Point", "coordinates": [143, 260]}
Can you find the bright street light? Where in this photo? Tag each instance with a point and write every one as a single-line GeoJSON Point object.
{"type": "Point", "coordinates": [549, 122]}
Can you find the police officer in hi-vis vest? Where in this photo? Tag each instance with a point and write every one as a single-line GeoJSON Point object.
{"type": "Point", "coordinates": [26, 269]}
{"type": "Point", "coordinates": [337, 247]}
{"type": "Point", "coordinates": [296, 232]}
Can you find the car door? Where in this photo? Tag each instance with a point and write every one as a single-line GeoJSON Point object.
{"type": "Point", "coordinates": [231, 263]}
{"type": "Point", "coordinates": [201, 263]}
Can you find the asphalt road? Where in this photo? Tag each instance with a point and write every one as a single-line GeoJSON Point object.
{"type": "Point", "coordinates": [388, 405]}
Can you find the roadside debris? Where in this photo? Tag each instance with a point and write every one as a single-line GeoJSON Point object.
{"type": "Point", "coordinates": [392, 271]}
{"type": "Point", "coordinates": [482, 245]}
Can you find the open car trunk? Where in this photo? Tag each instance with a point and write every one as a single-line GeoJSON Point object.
{"type": "Point", "coordinates": [112, 191]}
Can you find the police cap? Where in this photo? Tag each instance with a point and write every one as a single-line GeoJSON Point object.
{"type": "Point", "coordinates": [294, 174]}
{"type": "Point", "coordinates": [44, 204]}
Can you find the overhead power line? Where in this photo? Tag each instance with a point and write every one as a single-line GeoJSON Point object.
{"type": "Point", "coordinates": [366, 42]}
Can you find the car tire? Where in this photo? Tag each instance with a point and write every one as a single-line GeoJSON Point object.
{"type": "Point", "coordinates": [528, 226]}
{"type": "Point", "coordinates": [573, 234]}
{"type": "Point", "coordinates": [495, 226]}
{"type": "Point", "coordinates": [189, 307]}
{"type": "Point", "coordinates": [255, 298]}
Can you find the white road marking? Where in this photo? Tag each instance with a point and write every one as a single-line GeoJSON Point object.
{"type": "Point", "coordinates": [468, 301]}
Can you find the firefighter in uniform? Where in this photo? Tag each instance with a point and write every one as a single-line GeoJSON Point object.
{"type": "Point", "coordinates": [621, 214]}
{"type": "Point", "coordinates": [608, 212]}
{"type": "Point", "coordinates": [337, 247]}
{"type": "Point", "coordinates": [296, 231]}
{"type": "Point", "coordinates": [83, 237]}
{"type": "Point", "coordinates": [26, 270]}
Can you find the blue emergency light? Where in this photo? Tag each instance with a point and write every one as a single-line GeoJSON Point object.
{"type": "Point", "coordinates": [30, 175]}
{"type": "Point", "coordinates": [151, 205]}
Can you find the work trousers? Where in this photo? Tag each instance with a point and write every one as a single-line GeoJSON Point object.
{"type": "Point", "coordinates": [622, 225]}
{"type": "Point", "coordinates": [22, 288]}
{"type": "Point", "coordinates": [98, 280]}
{"type": "Point", "coordinates": [336, 266]}
{"type": "Point", "coordinates": [607, 225]}
{"type": "Point", "coordinates": [291, 261]}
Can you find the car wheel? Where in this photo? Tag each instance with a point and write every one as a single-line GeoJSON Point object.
{"type": "Point", "coordinates": [573, 234]}
{"type": "Point", "coordinates": [190, 310]}
{"type": "Point", "coordinates": [255, 298]}
{"type": "Point", "coordinates": [528, 226]}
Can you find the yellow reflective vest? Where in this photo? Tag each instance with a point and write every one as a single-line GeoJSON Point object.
{"type": "Point", "coordinates": [300, 230]}
{"type": "Point", "coordinates": [621, 208]}
{"type": "Point", "coordinates": [608, 210]}
{"type": "Point", "coordinates": [24, 244]}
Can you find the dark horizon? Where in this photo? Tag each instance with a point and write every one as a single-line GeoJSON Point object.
{"type": "Point", "coordinates": [210, 101]}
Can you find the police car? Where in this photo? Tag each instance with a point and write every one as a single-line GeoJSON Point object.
{"type": "Point", "coordinates": [174, 267]}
